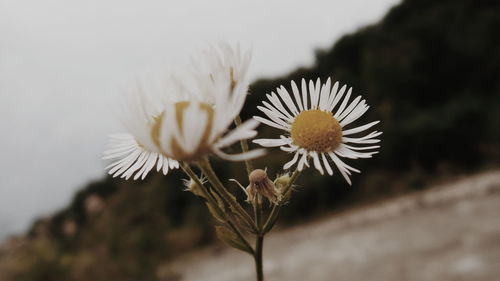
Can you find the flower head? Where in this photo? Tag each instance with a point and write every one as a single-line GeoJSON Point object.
{"type": "Point", "coordinates": [261, 186]}
{"type": "Point", "coordinates": [187, 117]}
{"type": "Point", "coordinates": [315, 119]}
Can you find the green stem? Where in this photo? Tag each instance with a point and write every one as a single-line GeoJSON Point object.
{"type": "Point", "coordinates": [257, 211]}
{"type": "Point", "coordinates": [276, 209]}
{"type": "Point", "coordinates": [226, 196]}
{"type": "Point", "coordinates": [258, 257]}
{"type": "Point", "coordinates": [244, 147]}
{"type": "Point", "coordinates": [257, 208]}
{"type": "Point", "coordinates": [212, 201]}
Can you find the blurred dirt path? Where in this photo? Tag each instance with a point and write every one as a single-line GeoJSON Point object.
{"type": "Point", "coordinates": [450, 232]}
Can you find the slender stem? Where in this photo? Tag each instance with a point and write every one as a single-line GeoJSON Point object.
{"type": "Point", "coordinates": [276, 209]}
{"type": "Point", "coordinates": [257, 208]}
{"type": "Point", "coordinates": [244, 147]}
{"type": "Point", "coordinates": [259, 243]}
{"type": "Point", "coordinates": [226, 196]}
{"type": "Point", "coordinates": [257, 211]}
{"type": "Point", "coordinates": [185, 167]}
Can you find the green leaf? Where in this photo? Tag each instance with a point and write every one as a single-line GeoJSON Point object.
{"type": "Point", "coordinates": [216, 212]}
{"type": "Point", "coordinates": [229, 237]}
{"type": "Point", "coordinates": [219, 200]}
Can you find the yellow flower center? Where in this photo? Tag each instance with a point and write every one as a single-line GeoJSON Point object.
{"type": "Point", "coordinates": [177, 152]}
{"type": "Point", "coordinates": [316, 130]}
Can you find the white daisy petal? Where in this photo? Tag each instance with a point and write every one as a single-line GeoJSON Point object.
{"type": "Point", "coordinates": [166, 167]}
{"type": "Point", "coordinates": [159, 163]}
{"type": "Point", "coordinates": [317, 88]}
{"type": "Point", "coordinates": [347, 167]}
{"type": "Point", "coordinates": [270, 142]}
{"type": "Point", "coordinates": [173, 164]}
{"type": "Point", "coordinates": [241, 156]}
{"type": "Point", "coordinates": [275, 111]}
{"type": "Point", "coordinates": [327, 165]}
{"type": "Point", "coordinates": [285, 96]}
{"type": "Point", "coordinates": [296, 94]}
{"type": "Point", "coordinates": [349, 109]}
{"type": "Point", "coordinates": [324, 95]}
{"type": "Point", "coordinates": [355, 114]}
{"type": "Point", "coordinates": [120, 145]}
{"type": "Point", "coordinates": [275, 115]}
{"type": "Point", "coordinates": [124, 162]}
{"type": "Point", "coordinates": [148, 165]}
{"type": "Point", "coordinates": [116, 154]}
{"type": "Point", "coordinates": [314, 95]}
{"type": "Point", "coordinates": [242, 132]}
{"type": "Point", "coordinates": [304, 93]}
{"type": "Point", "coordinates": [352, 140]}
{"type": "Point", "coordinates": [344, 151]}
{"type": "Point", "coordinates": [360, 128]}
{"type": "Point", "coordinates": [362, 148]}
{"type": "Point", "coordinates": [340, 166]}
{"type": "Point", "coordinates": [333, 94]}
{"type": "Point", "coordinates": [303, 160]}
{"type": "Point", "coordinates": [127, 173]}
{"type": "Point", "coordinates": [343, 104]}
{"type": "Point", "coordinates": [271, 123]}
{"type": "Point", "coordinates": [291, 148]}
{"type": "Point", "coordinates": [363, 140]}
{"type": "Point", "coordinates": [317, 164]}
{"type": "Point", "coordinates": [337, 98]}
{"type": "Point", "coordinates": [291, 162]}
{"type": "Point", "coordinates": [277, 103]}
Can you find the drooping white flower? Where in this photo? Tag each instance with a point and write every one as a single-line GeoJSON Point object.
{"type": "Point", "coordinates": [186, 117]}
{"type": "Point", "coordinates": [317, 118]}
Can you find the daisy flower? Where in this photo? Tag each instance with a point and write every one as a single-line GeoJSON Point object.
{"type": "Point", "coordinates": [316, 119]}
{"type": "Point", "coordinates": [187, 117]}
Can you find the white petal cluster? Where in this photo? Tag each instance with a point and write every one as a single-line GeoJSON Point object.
{"type": "Point", "coordinates": [187, 117]}
{"type": "Point", "coordinates": [282, 109]}
{"type": "Point", "coordinates": [132, 158]}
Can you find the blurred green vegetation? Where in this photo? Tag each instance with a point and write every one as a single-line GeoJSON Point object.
{"type": "Point", "coordinates": [430, 71]}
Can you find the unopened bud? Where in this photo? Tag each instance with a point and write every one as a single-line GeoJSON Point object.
{"type": "Point", "coordinates": [261, 186]}
{"type": "Point", "coordinates": [282, 181]}
{"type": "Point", "coordinates": [193, 187]}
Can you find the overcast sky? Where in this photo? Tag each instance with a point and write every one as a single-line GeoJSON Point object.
{"type": "Point", "coordinates": [62, 62]}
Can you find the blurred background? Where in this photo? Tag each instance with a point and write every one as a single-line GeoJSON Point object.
{"type": "Point", "coordinates": [425, 208]}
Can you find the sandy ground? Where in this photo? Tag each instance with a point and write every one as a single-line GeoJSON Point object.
{"type": "Point", "coordinates": [450, 232]}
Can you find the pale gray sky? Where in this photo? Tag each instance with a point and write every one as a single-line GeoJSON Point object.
{"type": "Point", "coordinates": [63, 61]}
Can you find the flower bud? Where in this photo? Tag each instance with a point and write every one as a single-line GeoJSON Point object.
{"type": "Point", "coordinates": [282, 181]}
{"type": "Point", "coordinates": [261, 186]}
{"type": "Point", "coordinates": [193, 187]}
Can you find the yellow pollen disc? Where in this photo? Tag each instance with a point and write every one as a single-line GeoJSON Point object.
{"type": "Point", "coordinates": [316, 130]}
{"type": "Point", "coordinates": [177, 152]}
